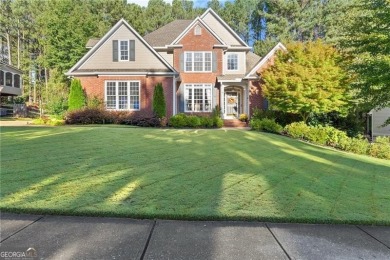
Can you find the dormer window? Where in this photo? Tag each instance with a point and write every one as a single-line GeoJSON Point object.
{"type": "Point", "coordinates": [232, 61]}
{"type": "Point", "coordinates": [198, 30]}
{"type": "Point", "coordinates": [123, 50]}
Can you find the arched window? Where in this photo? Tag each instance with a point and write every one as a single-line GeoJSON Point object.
{"type": "Point", "coordinates": [17, 81]}
{"type": "Point", "coordinates": [8, 79]}
{"type": "Point", "coordinates": [1, 77]}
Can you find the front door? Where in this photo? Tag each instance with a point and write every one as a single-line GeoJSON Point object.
{"type": "Point", "coordinates": [232, 104]}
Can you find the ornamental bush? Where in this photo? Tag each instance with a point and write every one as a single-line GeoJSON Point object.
{"type": "Point", "coordinates": [192, 121]}
{"type": "Point", "coordinates": [159, 105]}
{"type": "Point", "coordinates": [76, 96]}
{"type": "Point", "coordinates": [330, 136]}
{"type": "Point", "coordinates": [266, 125]}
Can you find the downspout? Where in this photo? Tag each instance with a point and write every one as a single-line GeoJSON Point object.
{"type": "Point", "coordinates": [174, 95]}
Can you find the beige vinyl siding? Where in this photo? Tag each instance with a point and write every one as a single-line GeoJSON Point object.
{"type": "Point", "coordinates": [220, 30]}
{"type": "Point", "coordinates": [102, 58]}
{"type": "Point", "coordinates": [378, 118]}
{"type": "Point", "coordinates": [241, 63]}
{"type": "Point", "coordinates": [167, 56]}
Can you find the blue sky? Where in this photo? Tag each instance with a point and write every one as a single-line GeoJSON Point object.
{"type": "Point", "coordinates": [197, 3]}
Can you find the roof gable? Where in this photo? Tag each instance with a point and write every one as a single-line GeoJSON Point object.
{"type": "Point", "coordinates": [99, 57]}
{"type": "Point", "coordinates": [253, 72]}
{"type": "Point", "coordinates": [224, 31]}
{"type": "Point", "coordinates": [191, 26]}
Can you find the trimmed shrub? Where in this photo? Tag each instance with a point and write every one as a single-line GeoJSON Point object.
{"type": "Point", "coordinates": [218, 122]}
{"type": "Point", "coordinates": [89, 116]}
{"type": "Point", "coordinates": [178, 120]}
{"type": "Point", "coordinates": [266, 125]}
{"type": "Point", "coordinates": [381, 147]}
{"type": "Point", "coordinates": [76, 96]}
{"type": "Point", "coordinates": [159, 105]}
{"type": "Point", "coordinates": [297, 130]}
{"type": "Point", "coordinates": [207, 122]}
{"type": "Point", "coordinates": [192, 121]}
{"type": "Point", "coordinates": [243, 117]}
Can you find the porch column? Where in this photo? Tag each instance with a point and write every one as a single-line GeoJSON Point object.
{"type": "Point", "coordinates": [246, 99]}
{"type": "Point", "coordinates": [222, 100]}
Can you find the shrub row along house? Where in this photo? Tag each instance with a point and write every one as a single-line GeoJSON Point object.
{"type": "Point", "coordinates": [201, 63]}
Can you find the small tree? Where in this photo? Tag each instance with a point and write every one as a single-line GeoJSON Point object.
{"type": "Point", "coordinates": [159, 105]}
{"type": "Point", "coordinates": [306, 79]}
{"type": "Point", "coordinates": [76, 96]}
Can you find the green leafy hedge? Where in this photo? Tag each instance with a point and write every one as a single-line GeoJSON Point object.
{"type": "Point", "coordinates": [330, 136]}
{"type": "Point", "coordinates": [192, 121]}
{"type": "Point", "coordinates": [266, 125]}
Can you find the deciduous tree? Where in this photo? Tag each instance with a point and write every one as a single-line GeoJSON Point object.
{"type": "Point", "coordinates": [306, 79]}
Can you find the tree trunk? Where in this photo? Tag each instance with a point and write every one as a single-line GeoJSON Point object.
{"type": "Point", "coordinates": [8, 48]}
{"type": "Point", "coordinates": [18, 48]}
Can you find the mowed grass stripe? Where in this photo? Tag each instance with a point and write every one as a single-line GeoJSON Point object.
{"type": "Point", "coordinates": [188, 174]}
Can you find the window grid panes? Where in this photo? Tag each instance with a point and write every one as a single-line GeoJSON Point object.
{"type": "Point", "coordinates": [111, 95]}
{"type": "Point", "coordinates": [134, 95]}
{"type": "Point", "coordinates": [198, 61]}
{"type": "Point", "coordinates": [198, 98]}
{"type": "Point", "coordinates": [232, 62]}
{"type": "Point", "coordinates": [123, 95]}
{"type": "Point", "coordinates": [188, 61]}
{"type": "Point", "coordinates": [124, 50]}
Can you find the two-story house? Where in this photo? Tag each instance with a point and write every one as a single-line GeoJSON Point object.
{"type": "Point", "coordinates": [202, 63]}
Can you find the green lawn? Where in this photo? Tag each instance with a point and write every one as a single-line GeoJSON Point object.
{"type": "Point", "coordinates": [188, 174]}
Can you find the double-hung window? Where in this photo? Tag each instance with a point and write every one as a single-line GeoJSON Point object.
{"type": "Point", "coordinates": [122, 95]}
{"type": "Point", "coordinates": [232, 61]}
{"type": "Point", "coordinates": [198, 61]}
{"type": "Point", "coordinates": [198, 98]}
{"type": "Point", "coordinates": [123, 50]}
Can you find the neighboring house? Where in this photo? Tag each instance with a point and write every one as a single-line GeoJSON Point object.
{"type": "Point", "coordinates": [201, 63]}
{"type": "Point", "coordinates": [10, 80]}
{"type": "Point", "coordinates": [377, 120]}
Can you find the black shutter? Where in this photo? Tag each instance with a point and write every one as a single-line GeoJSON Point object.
{"type": "Point", "coordinates": [114, 50]}
{"type": "Point", "coordinates": [214, 60]}
{"type": "Point", "coordinates": [132, 50]}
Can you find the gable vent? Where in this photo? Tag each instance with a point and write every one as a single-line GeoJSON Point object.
{"type": "Point", "coordinates": [198, 30]}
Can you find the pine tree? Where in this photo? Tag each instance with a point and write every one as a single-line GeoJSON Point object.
{"type": "Point", "coordinates": [76, 96]}
{"type": "Point", "coordinates": [159, 105]}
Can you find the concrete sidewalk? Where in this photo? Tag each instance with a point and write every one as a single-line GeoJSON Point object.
{"type": "Point", "coordinates": [60, 237]}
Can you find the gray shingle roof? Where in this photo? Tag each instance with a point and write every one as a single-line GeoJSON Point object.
{"type": "Point", "coordinates": [92, 42]}
{"type": "Point", "coordinates": [251, 60]}
{"type": "Point", "coordinates": [166, 34]}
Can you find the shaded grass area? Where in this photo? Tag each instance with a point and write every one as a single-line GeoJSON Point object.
{"type": "Point", "coordinates": [188, 174]}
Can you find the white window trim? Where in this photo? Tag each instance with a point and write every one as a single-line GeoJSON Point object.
{"type": "Point", "coordinates": [203, 61]}
{"type": "Point", "coordinates": [119, 50]}
{"type": "Point", "coordinates": [117, 95]}
{"type": "Point", "coordinates": [227, 61]}
{"type": "Point", "coordinates": [204, 87]}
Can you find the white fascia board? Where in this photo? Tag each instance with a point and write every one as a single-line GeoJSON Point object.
{"type": "Point", "coordinates": [107, 36]}
{"type": "Point", "coordinates": [197, 20]}
{"type": "Point", "coordinates": [236, 48]}
{"type": "Point", "coordinates": [96, 73]}
{"type": "Point", "coordinates": [263, 60]}
{"type": "Point", "coordinates": [209, 10]}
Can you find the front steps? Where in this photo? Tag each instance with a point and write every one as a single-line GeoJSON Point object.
{"type": "Point", "coordinates": [234, 123]}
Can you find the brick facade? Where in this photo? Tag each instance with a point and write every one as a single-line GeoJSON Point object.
{"type": "Point", "coordinates": [94, 87]}
{"type": "Point", "coordinates": [203, 42]}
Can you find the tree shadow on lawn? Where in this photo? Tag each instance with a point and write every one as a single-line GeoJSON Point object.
{"type": "Point", "coordinates": [199, 174]}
